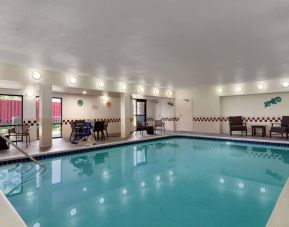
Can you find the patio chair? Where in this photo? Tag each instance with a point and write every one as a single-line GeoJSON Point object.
{"type": "Point", "coordinates": [161, 125]}
{"type": "Point", "coordinates": [3, 144]}
{"type": "Point", "coordinates": [236, 124]}
{"type": "Point", "coordinates": [98, 128]}
{"type": "Point", "coordinates": [140, 127]}
{"type": "Point", "coordinates": [82, 132]}
{"type": "Point", "coordinates": [282, 128]}
{"type": "Point", "coordinates": [23, 131]}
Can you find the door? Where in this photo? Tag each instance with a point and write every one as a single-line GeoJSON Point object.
{"type": "Point", "coordinates": [184, 110]}
{"type": "Point", "coordinates": [140, 111]}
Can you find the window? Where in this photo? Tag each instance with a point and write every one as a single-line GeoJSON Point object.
{"type": "Point", "coordinates": [139, 111]}
{"type": "Point", "coordinates": [11, 112]}
{"type": "Point", "coordinates": [56, 116]}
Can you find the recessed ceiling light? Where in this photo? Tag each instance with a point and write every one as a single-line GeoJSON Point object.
{"type": "Point", "coordinates": [157, 91]}
{"type": "Point", "coordinates": [169, 92]}
{"type": "Point", "coordinates": [72, 80]}
{"type": "Point", "coordinates": [84, 92]}
{"type": "Point", "coordinates": [260, 87]}
{"type": "Point", "coordinates": [100, 84]}
{"type": "Point", "coordinates": [285, 84]}
{"type": "Point", "coordinates": [123, 86]}
{"type": "Point", "coordinates": [36, 75]}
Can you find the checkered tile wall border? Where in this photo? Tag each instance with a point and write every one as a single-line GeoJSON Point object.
{"type": "Point", "coordinates": [246, 119]}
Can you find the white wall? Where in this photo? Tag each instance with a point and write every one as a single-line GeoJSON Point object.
{"type": "Point", "coordinates": [197, 108]}
{"type": "Point", "coordinates": [253, 109]}
{"type": "Point", "coordinates": [165, 112]}
{"type": "Point", "coordinates": [93, 108]}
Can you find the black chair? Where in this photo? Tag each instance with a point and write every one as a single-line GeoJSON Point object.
{"type": "Point", "coordinates": [98, 128]}
{"type": "Point", "coordinates": [3, 144]}
{"type": "Point", "coordinates": [282, 128]}
{"type": "Point", "coordinates": [236, 124]}
{"type": "Point", "coordinates": [140, 126]}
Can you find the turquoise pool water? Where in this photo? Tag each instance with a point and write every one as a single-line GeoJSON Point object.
{"type": "Point", "coordinates": [170, 182]}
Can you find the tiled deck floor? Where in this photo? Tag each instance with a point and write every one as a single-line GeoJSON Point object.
{"type": "Point", "coordinates": [62, 144]}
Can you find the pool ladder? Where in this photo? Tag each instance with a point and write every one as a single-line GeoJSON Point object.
{"type": "Point", "coordinates": [42, 167]}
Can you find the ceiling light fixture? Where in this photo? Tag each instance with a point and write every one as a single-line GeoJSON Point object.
{"type": "Point", "coordinates": [169, 93]}
{"type": "Point", "coordinates": [36, 75]}
{"type": "Point", "coordinates": [141, 89]}
{"type": "Point", "coordinates": [84, 92]}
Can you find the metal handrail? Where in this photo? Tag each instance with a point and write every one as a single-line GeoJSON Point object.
{"type": "Point", "coordinates": [23, 152]}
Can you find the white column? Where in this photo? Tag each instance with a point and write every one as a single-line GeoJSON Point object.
{"type": "Point", "coordinates": [45, 115]}
{"type": "Point", "coordinates": [125, 114]}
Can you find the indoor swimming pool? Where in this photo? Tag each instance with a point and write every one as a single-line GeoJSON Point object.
{"type": "Point", "coordinates": [174, 181]}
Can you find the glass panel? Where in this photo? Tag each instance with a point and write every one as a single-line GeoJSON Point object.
{"type": "Point", "coordinates": [140, 118]}
{"type": "Point", "coordinates": [56, 130]}
{"type": "Point", "coordinates": [56, 116]}
{"type": "Point", "coordinates": [140, 108]}
{"type": "Point", "coordinates": [10, 110]}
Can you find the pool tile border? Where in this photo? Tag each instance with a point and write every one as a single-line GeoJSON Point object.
{"type": "Point", "coordinates": [73, 151]}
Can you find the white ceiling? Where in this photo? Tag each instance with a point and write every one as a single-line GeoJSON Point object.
{"type": "Point", "coordinates": [179, 43]}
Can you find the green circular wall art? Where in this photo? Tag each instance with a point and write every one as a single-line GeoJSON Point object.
{"type": "Point", "coordinates": [80, 102]}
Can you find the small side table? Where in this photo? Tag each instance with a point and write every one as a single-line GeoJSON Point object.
{"type": "Point", "coordinates": [262, 127]}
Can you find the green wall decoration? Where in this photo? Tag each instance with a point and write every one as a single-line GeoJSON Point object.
{"type": "Point", "coordinates": [80, 102]}
{"type": "Point", "coordinates": [273, 101]}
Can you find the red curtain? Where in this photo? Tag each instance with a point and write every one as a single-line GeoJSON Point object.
{"type": "Point", "coordinates": [10, 109]}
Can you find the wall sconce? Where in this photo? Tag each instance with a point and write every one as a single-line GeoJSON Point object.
{"type": "Point", "coordinates": [156, 91]}
{"type": "Point", "coordinates": [123, 86]}
{"type": "Point", "coordinates": [36, 75]}
{"type": "Point", "coordinates": [285, 84]}
{"type": "Point", "coordinates": [72, 80]}
{"type": "Point", "coordinates": [260, 86]}
{"type": "Point", "coordinates": [141, 89]}
{"type": "Point", "coordinates": [100, 84]}
{"type": "Point", "coordinates": [29, 93]}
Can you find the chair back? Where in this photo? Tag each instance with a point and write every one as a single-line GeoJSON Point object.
{"type": "Point", "coordinates": [236, 120]}
{"type": "Point", "coordinates": [139, 124]}
{"type": "Point", "coordinates": [159, 123]}
{"type": "Point", "coordinates": [98, 126]}
{"type": "Point", "coordinates": [285, 121]}
{"type": "Point", "coordinates": [105, 125]}
{"type": "Point", "coordinates": [79, 123]}
{"type": "Point", "coordinates": [26, 128]}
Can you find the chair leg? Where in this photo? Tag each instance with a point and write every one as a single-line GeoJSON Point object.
{"type": "Point", "coordinates": [230, 132]}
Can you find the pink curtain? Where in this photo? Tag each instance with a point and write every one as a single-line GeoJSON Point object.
{"type": "Point", "coordinates": [10, 109]}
